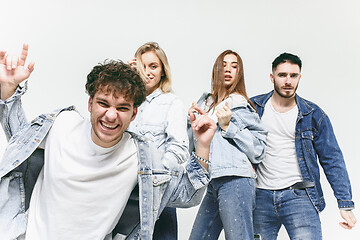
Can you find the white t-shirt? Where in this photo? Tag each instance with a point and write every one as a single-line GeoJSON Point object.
{"type": "Point", "coordinates": [280, 168]}
{"type": "Point", "coordinates": [233, 100]}
{"type": "Point", "coordinates": [83, 188]}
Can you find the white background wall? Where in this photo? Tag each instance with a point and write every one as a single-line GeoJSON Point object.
{"type": "Point", "coordinates": [68, 37]}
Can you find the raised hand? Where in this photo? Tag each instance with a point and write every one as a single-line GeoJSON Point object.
{"type": "Point", "coordinates": [204, 129]}
{"type": "Point", "coordinates": [13, 71]}
{"type": "Point", "coordinates": [224, 115]}
{"type": "Point", "coordinates": [132, 62]}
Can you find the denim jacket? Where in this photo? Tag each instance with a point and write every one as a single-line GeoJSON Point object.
{"type": "Point", "coordinates": [315, 140]}
{"type": "Point", "coordinates": [159, 184]}
{"type": "Point", "coordinates": [162, 119]}
{"type": "Point", "coordinates": [233, 151]}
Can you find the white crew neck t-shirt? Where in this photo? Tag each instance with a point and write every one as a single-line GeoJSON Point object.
{"type": "Point", "coordinates": [280, 168]}
{"type": "Point", "coordinates": [233, 100]}
{"type": "Point", "coordinates": [83, 188]}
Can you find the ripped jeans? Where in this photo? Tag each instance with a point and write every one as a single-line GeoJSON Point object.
{"type": "Point", "coordinates": [228, 204]}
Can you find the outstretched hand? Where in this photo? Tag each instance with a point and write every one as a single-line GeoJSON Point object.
{"type": "Point", "coordinates": [13, 71]}
{"type": "Point", "coordinates": [349, 218]}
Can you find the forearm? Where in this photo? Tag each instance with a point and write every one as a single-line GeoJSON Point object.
{"type": "Point", "coordinates": [250, 142]}
{"type": "Point", "coordinates": [12, 116]}
{"type": "Point", "coordinates": [190, 186]}
{"type": "Point", "coordinates": [7, 90]}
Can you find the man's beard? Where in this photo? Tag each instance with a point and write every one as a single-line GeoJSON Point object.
{"type": "Point", "coordinates": [283, 95]}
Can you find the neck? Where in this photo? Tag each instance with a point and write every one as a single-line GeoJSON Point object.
{"type": "Point", "coordinates": [282, 104]}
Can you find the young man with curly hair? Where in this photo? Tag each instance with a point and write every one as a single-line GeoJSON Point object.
{"type": "Point", "coordinates": [94, 179]}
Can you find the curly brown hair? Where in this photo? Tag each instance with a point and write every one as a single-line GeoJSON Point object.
{"type": "Point", "coordinates": [118, 78]}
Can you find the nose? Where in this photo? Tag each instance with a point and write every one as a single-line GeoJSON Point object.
{"type": "Point", "coordinates": [147, 71]}
{"type": "Point", "coordinates": [227, 68]}
{"type": "Point", "coordinates": [111, 114]}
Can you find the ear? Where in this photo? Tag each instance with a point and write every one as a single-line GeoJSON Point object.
{"type": "Point", "coordinates": [90, 104]}
{"type": "Point", "coordinates": [272, 77]}
{"type": "Point", "coordinates": [134, 114]}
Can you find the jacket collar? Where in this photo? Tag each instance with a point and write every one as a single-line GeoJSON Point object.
{"type": "Point", "coordinates": [153, 95]}
{"type": "Point", "coordinates": [303, 106]}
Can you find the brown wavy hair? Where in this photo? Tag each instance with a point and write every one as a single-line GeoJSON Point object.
{"type": "Point", "coordinates": [218, 90]}
{"type": "Point", "coordinates": [116, 77]}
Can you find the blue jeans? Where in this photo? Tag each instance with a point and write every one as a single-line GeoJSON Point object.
{"type": "Point", "coordinates": [229, 203]}
{"type": "Point", "coordinates": [166, 226]}
{"type": "Point", "coordinates": [291, 208]}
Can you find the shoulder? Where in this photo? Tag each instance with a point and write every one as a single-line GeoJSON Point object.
{"type": "Point", "coordinates": [261, 98]}
{"type": "Point", "coordinates": [306, 106]}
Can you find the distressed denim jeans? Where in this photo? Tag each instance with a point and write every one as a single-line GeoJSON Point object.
{"type": "Point", "coordinates": [229, 204]}
{"type": "Point", "coordinates": [291, 208]}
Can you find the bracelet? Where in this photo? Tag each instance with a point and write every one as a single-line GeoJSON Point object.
{"type": "Point", "coordinates": [200, 158]}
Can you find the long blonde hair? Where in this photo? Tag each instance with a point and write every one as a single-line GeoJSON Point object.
{"type": "Point", "coordinates": [165, 82]}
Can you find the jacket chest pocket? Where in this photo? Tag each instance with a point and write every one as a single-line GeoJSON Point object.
{"type": "Point", "coordinates": [308, 138]}
{"type": "Point", "coordinates": [155, 133]}
{"type": "Point", "coordinates": [28, 133]}
{"type": "Point", "coordinates": [160, 183]}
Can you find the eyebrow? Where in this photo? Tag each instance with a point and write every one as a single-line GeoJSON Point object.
{"type": "Point", "coordinates": [230, 62]}
{"type": "Point", "coordinates": [118, 105]}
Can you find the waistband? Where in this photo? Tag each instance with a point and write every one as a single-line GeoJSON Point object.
{"type": "Point", "coordinates": [299, 185]}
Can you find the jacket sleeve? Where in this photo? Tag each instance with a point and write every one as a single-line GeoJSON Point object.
{"type": "Point", "coordinates": [191, 185]}
{"type": "Point", "coordinates": [247, 133]}
{"type": "Point", "coordinates": [12, 116]}
{"type": "Point", "coordinates": [332, 161]}
{"type": "Point", "coordinates": [176, 142]}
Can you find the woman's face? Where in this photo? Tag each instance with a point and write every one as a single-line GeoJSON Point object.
{"type": "Point", "coordinates": [230, 70]}
{"type": "Point", "coordinates": [153, 70]}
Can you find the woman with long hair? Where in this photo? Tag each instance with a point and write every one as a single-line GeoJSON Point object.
{"type": "Point", "coordinates": [162, 119]}
{"type": "Point", "coordinates": [239, 142]}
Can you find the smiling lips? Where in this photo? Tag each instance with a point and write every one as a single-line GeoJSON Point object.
{"type": "Point", "coordinates": [108, 126]}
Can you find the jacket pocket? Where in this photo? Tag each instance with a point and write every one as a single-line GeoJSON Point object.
{"type": "Point", "coordinates": [308, 137]}
{"type": "Point", "coordinates": [155, 133]}
{"type": "Point", "coordinates": [160, 184]}
{"type": "Point", "coordinates": [27, 134]}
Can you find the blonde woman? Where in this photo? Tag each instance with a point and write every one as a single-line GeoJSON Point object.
{"type": "Point", "coordinates": [161, 118]}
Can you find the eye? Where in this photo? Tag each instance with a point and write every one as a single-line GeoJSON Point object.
{"type": "Point", "coordinates": [235, 66]}
{"type": "Point", "coordinates": [294, 75]}
{"type": "Point", "coordinates": [282, 74]}
{"type": "Point", "coordinates": [103, 104]}
{"type": "Point", "coordinates": [153, 66]}
{"type": "Point", "coordinates": [123, 109]}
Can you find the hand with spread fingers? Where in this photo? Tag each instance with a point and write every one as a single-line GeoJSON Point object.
{"type": "Point", "coordinates": [224, 115]}
{"type": "Point", "coordinates": [13, 71]}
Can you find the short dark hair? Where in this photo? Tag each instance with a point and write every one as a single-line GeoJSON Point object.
{"type": "Point", "coordinates": [286, 57]}
{"type": "Point", "coordinates": [117, 77]}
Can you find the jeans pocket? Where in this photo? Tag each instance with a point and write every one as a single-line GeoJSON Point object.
{"type": "Point", "coordinates": [299, 192]}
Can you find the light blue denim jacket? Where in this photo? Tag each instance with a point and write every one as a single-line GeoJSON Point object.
{"type": "Point", "coordinates": [315, 140]}
{"type": "Point", "coordinates": [159, 184]}
{"type": "Point", "coordinates": [233, 151]}
{"type": "Point", "coordinates": [162, 119]}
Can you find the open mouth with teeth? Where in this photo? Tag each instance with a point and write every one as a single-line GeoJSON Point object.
{"type": "Point", "coordinates": [108, 126]}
